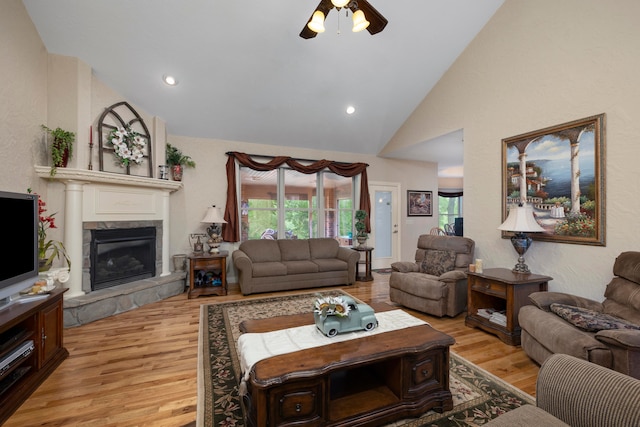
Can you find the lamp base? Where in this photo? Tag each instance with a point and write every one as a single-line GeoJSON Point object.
{"type": "Point", "coordinates": [521, 243]}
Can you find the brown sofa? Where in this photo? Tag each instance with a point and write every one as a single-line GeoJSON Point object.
{"type": "Point", "coordinates": [276, 265]}
{"type": "Point", "coordinates": [577, 393]}
{"type": "Point", "coordinates": [436, 282]}
{"type": "Point", "coordinates": [606, 333]}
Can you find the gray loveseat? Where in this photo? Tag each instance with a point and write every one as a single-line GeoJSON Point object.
{"type": "Point", "coordinates": [277, 265]}
{"type": "Point", "coordinates": [606, 333]}
{"type": "Point", "coordinates": [577, 393]}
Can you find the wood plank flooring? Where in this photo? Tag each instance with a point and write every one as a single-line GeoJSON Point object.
{"type": "Point", "coordinates": [139, 368]}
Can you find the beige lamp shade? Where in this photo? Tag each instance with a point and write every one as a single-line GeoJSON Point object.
{"type": "Point", "coordinates": [521, 219]}
{"type": "Point", "coordinates": [317, 22]}
{"type": "Point", "coordinates": [213, 216]}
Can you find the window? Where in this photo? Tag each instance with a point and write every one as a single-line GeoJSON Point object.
{"type": "Point", "coordinates": [284, 204]}
{"type": "Point", "coordinates": [449, 208]}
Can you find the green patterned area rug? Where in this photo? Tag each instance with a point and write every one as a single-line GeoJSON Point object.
{"type": "Point", "coordinates": [478, 396]}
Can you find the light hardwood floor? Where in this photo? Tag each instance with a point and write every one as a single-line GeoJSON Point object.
{"type": "Point", "coordinates": [139, 368]}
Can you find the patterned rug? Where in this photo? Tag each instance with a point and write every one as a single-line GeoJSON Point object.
{"type": "Point", "coordinates": [382, 270]}
{"type": "Point", "coordinates": [478, 396]}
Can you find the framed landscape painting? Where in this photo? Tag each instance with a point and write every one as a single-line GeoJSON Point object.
{"type": "Point", "coordinates": [561, 171]}
{"type": "Point", "coordinates": [419, 203]}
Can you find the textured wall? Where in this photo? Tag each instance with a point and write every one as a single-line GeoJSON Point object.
{"type": "Point", "coordinates": [534, 65]}
{"type": "Point", "coordinates": [23, 99]}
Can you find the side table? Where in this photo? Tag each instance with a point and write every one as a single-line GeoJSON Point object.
{"type": "Point", "coordinates": [501, 290]}
{"type": "Point", "coordinates": [364, 264]}
{"type": "Point", "coordinates": [207, 274]}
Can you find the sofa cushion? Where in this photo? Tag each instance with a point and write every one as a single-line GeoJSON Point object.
{"type": "Point", "coordinates": [590, 320]}
{"type": "Point", "coordinates": [436, 262]}
{"type": "Point", "coordinates": [268, 269]}
{"type": "Point", "coordinates": [323, 248]}
{"type": "Point", "coordinates": [262, 250]}
{"type": "Point", "coordinates": [624, 292]}
{"type": "Point", "coordinates": [300, 267]}
{"type": "Point", "coordinates": [294, 249]}
{"type": "Point", "coordinates": [331, 264]}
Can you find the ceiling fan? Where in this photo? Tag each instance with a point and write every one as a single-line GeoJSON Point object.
{"type": "Point", "coordinates": [364, 16]}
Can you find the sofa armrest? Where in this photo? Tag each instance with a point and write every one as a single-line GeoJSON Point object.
{"type": "Point", "coordinates": [242, 261]}
{"type": "Point", "coordinates": [543, 300]}
{"type": "Point", "coordinates": [591, 395]}
{"type": "Point", "coordinates": [453, 276]}
{"type": "Point", "coordinates": [405, 267]}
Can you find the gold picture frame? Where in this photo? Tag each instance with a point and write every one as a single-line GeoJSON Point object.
{"type": "Point", "coordinates": [564, 180]}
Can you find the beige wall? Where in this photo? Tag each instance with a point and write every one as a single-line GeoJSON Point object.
{"type": "Point", "coordinates": [534, 65]}
{"type": "Point", "coordinates": [38, 88]}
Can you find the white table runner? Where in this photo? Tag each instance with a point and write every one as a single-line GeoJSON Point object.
{"type": "Point", "coordinates": [254, 347]}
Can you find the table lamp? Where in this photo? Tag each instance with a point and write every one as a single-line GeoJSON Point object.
{"type": "Point", "coordinates": [215, 218]}
{"type": "Point", "coordinates": [521, 221]}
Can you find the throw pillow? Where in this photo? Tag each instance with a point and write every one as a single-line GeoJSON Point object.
{"type": "Point", "coordinates": [589, 320]}
{"type": "Point", "coordinates": [436, 262]}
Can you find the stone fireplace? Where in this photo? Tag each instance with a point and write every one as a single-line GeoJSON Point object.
{"type": "Point", "coordinates": [103, 202]}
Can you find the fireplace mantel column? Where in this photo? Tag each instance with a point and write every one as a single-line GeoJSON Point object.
{"type": "Point", "coordinates": [73, 235]}
{"type": "Point", "coordinates": [165, 233]}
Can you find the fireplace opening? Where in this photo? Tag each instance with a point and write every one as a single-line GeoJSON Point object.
{"type": "Point", "coordinates": [121, 256]}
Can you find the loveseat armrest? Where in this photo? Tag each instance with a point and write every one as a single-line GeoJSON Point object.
{"type": "Point", "coordinates": [453, 276]}
{"type": "Point", "coordinates": [405, 267]}
{"type": "Point", "coordinates": [543, 300]}
{"type": "Point", "coordinates": [625, 338]}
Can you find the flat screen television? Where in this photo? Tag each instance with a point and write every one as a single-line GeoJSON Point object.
{"type": "Point", "coordinates": [19, 268]}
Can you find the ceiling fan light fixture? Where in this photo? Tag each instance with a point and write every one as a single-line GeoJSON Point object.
{"type": "Point", "coordinates": [359, 21]}
{"type": "Point", "coordinates": [340, 3]}
{"type": "Point", "coordinates": [317, 22]}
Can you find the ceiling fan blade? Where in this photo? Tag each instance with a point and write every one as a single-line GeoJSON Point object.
{"type": "Point", "coordinates": [325, 7]}
{"type": "Point", "coordinates": [377, 22]}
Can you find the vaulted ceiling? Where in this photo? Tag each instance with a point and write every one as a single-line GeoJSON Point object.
{"type": "Point", "coordinates": [245, 74]}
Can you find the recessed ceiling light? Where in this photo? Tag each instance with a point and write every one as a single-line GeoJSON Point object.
{"type": "Point", "coordinates": [170, 80]}
{"type": "Point", "coordinates": [351, 109]}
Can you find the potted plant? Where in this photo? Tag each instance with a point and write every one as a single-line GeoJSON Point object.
{"type": "Point", "coordinates": [61, 147]}
{"type": "Point", "coordinates": [361, 226]}
{"type": "Point", "coordinates": [176, 161]}
{"type": "Point", "coordinates": [48, 250]}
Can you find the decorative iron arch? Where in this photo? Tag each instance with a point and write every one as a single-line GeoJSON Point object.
{"type": "Point", "coordinates": [121, 115]}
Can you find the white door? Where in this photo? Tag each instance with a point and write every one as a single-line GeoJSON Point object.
{"type": "Point", "coordinates": [385, 232]}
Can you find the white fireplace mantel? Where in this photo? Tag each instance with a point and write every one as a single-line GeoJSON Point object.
{"type": "Point", "coordinates": [104, 196]}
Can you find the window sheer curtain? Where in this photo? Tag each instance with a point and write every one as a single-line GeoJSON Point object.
{"type": "Point", "coordinates": [231, 230]}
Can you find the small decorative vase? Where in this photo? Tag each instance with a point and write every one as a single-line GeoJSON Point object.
{"type": "Point", "coordinates": [176, 172]}
{"type": "Point", "coordinates": [43, 266]}
{"type": "Point", "coordinates": [361, 240]}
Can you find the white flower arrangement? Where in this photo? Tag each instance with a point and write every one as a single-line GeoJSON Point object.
{"type": "Point", "coordinates": [331, 306]}
{"type": "Point", "coordinates": [128, 145]}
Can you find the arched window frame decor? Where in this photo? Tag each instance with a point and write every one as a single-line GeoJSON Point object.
{"type": "Point", "coordinates": [121, 114]}
{"type": "Point", "coordinates": [231, 230]}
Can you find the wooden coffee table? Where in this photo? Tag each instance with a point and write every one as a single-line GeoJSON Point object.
{"type": "Point", "coordinates": [367, 381]}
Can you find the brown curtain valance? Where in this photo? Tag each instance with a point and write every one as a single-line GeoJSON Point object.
{"type": "Point", "coordinates": [231, 230]}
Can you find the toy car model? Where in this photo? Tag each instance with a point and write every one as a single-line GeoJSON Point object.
{"type": "Point", "coordinates": [334, 315]}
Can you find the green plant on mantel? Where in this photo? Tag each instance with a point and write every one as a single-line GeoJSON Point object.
{"type": "Point", "coordinates": [175, 157]}
{"type": "Point", "coordinates": [61, 147]}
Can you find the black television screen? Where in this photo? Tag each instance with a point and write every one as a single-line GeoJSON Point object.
{"type": "Point", "coordinates": [20, 257]}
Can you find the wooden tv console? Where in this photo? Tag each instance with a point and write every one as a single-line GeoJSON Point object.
{"type": "Point", "coordinates": [361, 382]}
{"type": "Point", "coordinates": [40, 321]}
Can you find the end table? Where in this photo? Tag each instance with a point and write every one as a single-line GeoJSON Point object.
{"type": "Point", "coordinates": [502, 290]}
{"type": "Point", "coordinates": [207, 274]}
{"type": "Point", "coordinates": [364, 276]}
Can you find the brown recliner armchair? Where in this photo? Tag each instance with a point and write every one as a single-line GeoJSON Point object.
{"type": "Point", "coordinates": [606, 333]}
{"type": "Point", "coordinates": [436, 283]}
